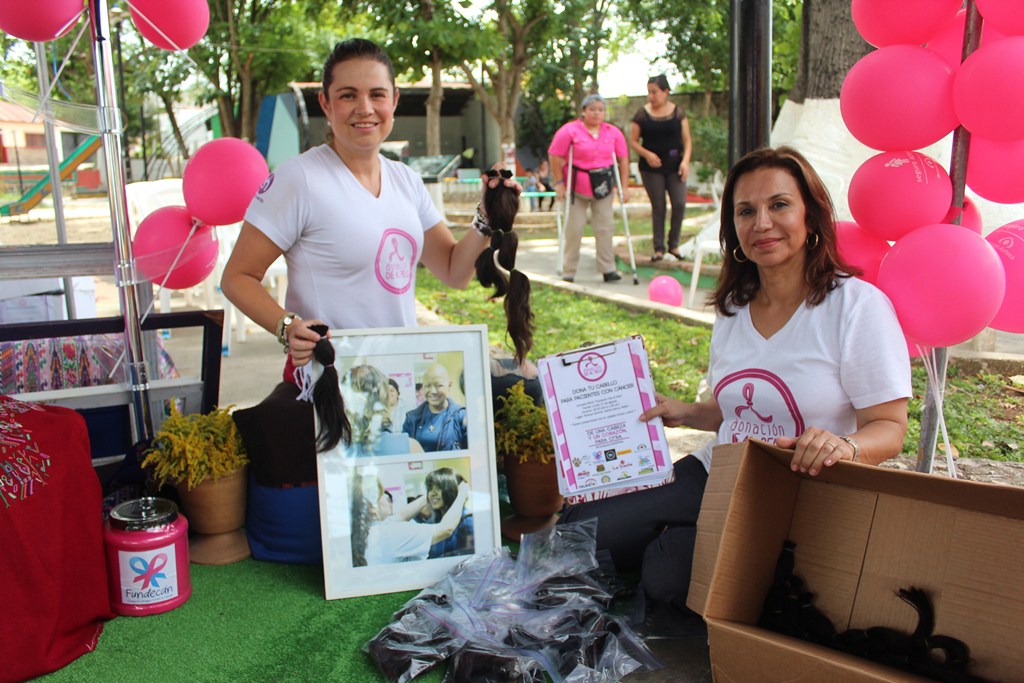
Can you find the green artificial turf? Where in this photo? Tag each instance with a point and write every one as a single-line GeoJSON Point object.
{"type": "Point", "coordinates": [248, 621]}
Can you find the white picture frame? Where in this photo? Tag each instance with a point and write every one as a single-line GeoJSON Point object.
{"type": "Point", "coordinates": [366, 550]}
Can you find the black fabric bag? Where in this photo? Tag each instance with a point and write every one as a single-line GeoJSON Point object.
{"type": "Point", "coordinates": [602, 180]}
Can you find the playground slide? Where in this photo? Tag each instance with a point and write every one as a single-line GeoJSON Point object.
{"type": "Point", "coordinates": [42, 188]}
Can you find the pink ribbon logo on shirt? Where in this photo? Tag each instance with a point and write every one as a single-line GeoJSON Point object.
{"type": "Point", "coordinates": [396, 261]}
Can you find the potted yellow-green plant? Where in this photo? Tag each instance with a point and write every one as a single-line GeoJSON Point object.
{"type": "Point", "coordinates": [522, 437]}
{"type": "Point", "coordinates": [203, 456]}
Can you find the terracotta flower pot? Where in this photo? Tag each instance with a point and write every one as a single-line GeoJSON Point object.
{"type": "Point", "coordinates": [533, 493]}
{"type": "Point", "coordinates": [215, 510]}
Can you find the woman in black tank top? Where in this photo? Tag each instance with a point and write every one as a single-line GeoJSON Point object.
{"type": "Point", "coordinates": [660, 135]}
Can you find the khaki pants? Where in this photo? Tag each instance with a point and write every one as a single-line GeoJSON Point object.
{"type": "Point", "coordinates": [603, 223]}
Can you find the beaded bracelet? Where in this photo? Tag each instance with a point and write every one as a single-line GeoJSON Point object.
{"type": "Point", "coordinates": [480, 223]}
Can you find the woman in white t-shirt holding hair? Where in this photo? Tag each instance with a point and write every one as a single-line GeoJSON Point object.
{"type": "Point", "coordinates": [802, 355]}
{"type": "Point", "coordinates": [351, 224]}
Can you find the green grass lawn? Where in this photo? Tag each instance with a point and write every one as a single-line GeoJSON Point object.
{"type": "Point", "coordinates": [984, 418]}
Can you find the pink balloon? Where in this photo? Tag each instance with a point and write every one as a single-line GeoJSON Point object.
{"type": "Point", "coordinates": [1009, 244]}
{"type": "Point", "coordinates": [221, 179]}
{"type": "Point", "coordinates": [39, 20]}
{"type": "Point", "coordinates": [949, 43]}
{"type": "Point", "coordinates": [988, 88]}
{"type": "Point", "coordinates": [895, 22]}
{"type": "Point", "coordinates": [970, 216]}
{"type": "Point", "coordinates": [861, 248]}
{"type": "Point", "coordinates": [158, 240]}
{"type": "Point", "coordinates": [995, 169]}
{"type": "Point", "coordinates": [945, 282]}
{"type": "Point", "coordinates": [174, 25]}
{"type": "Point", "coordinates": [893, 193]}
{"type": "Point", "coordinates": [1004, 15]}
{"type": "Point", "coordinates": [899, 97]}
{"type": "Point", "coordinates": [665, 290]}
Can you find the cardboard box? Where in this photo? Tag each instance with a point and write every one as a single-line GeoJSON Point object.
{"type": "Point", "coordinates": [861, 533]}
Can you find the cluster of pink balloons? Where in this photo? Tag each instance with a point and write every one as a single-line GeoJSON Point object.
{"type": "Point", "coordinates": [946, 281]}
{"type": "Point", "coordinates": [169, 24]}
{"type": "Point", "coordinates": [176, 246]}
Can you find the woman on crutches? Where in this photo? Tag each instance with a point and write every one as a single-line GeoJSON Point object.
{"type": "Point", "coordinates": [590, 143]}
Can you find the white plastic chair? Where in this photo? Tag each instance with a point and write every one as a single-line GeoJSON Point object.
{"type": "Point", "coordinates": [276, 278]}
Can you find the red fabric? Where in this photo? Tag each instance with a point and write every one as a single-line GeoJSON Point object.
{"type": "Point", "coordinates": [53, 574]}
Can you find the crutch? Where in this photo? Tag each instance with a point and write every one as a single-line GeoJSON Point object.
{"type": "Point", "coordinates": [625, 220]}
{"type": "Point", "coordinates": [567, 178]}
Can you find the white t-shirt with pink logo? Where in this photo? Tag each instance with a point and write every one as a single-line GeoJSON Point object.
{"type": "Point", "coordinates": [351, 256]}
{"type": "Point", "coordinates": [827, 362]}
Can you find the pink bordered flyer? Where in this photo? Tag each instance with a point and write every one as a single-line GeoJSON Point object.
{"type": "Point", "coordinates": [594, 397]}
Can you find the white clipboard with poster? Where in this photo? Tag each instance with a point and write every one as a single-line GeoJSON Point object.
{"type": "Point", "coordinates": [594, 397]}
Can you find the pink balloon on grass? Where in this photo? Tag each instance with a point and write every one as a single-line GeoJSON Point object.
{"type": "Point", "coordinates": [899, 97]}
{"type": "Point", "coordinates": [221, 179]}
{"type": "Point", "coordinates": [995, 169]}
{"type": "Point", "coordinates": [39, 21]}
{"type": "Point", "coordinates": [159, 239]}
{"type": "Point", "coordinates": [970, 216]}
{"type": "Point", "coordinates": [1005, 15]}
{"type": "Point", "coordinates": [989, 88]}
{"type": "Point", "coordinates": [898, 22]}
{"type": "Point", "coordinates": [949, 43]}
{"type": "Point", "coordinates": [861, 248]}
{"type": "Point", "coordinates": [946, 283]}
{"type": "Point", "coordinates": [1009, 244]}
{"type": "Point", "coordinates": [176, 25]}
{"type": "Point", "coordinates": [893, 193]}
{"type": "Point", "coordinates": [665, 289]}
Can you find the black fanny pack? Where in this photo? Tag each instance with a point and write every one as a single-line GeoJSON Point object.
{"type": "Point", "coordinates": [602, 180]}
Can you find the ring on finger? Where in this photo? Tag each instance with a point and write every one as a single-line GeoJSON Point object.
{"type": "Point", "coordinates": [830, 444]}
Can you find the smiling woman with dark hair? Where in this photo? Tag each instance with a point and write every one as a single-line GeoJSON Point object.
{"type": "Point", "coordinates": [802, 355]}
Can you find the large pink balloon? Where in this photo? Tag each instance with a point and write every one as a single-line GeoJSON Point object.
{"type": "Point", "coordinates": [949, 43]}
{"type": "Point", "coordinates": [174, 25]}
{"type": "Point", "coordinates": [995, 169]}
{"type": "Point", "coordinates": [158, 240]}
{"type": "Point", "coordinates": [665, 290]}
{"type": "Point", "coordinates": [1009, 244]}
{"type": "Point", "coordinates": [39, 20]}
{"type": "Point", "coordinates": [893, 193]}
{"type": "Point", "coordinates": [896, 22]}
{"type": "Point", "coordinates": [970, 216]}
{"type": "Point", "coordinates": [989, 88]}
{"type": "Point", "coordinates": [1005, 15]}
{"type": "Point", "coordinates": [945, 282]}
{"type": "Point", "coordinates": [861, 248]}
{"type": "Point", "coordinates": [221, 179]}
{"type": "Point", "coordinates": [899, 97]}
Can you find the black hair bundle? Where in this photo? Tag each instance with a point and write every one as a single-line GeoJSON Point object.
{"type": "Point", "coordinates": [501, 205]}
{"type": "Point", "coordinates": [327, 400]}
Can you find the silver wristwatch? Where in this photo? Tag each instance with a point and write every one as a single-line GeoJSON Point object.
{"type": "Point", "coordinates": [282, 326]}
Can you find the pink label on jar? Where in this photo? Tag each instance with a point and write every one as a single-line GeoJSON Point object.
{"type": "Point", "coordinates": [148, 576]}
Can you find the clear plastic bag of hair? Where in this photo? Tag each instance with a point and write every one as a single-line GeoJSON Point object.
{"type": "Point", "coordinates": [498, 619]}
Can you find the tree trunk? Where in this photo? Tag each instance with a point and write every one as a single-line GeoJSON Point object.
{"type": "Point", "coordinates": [175, 129]}
{"type": "Point", "coordinates": [832, 46]}
{"type": "Point", "coordinates": [434, 100]}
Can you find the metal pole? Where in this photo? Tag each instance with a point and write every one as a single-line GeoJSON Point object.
{"type": "Point", "coordinates": [53, 159]}
{"type": "Point", "coordinates": [142, 122]}
{"type": "Point", "coordinates": [111, 126]}
{"type": "Point", "coordinates": [958, 175]}
{"type": "Point", "coordinates": [750, 77]}
{"type": "Point", "coordinates": [121, 91]}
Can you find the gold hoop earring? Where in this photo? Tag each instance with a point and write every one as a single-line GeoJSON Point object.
{"type": "Point", "coordinates": [816, 240]}
{"type": "Point", "coordinates": [736, 253]}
